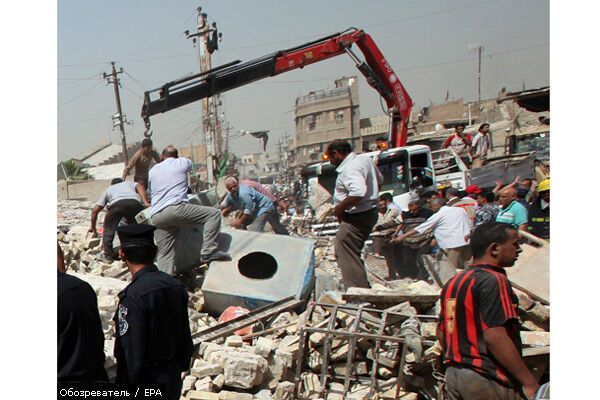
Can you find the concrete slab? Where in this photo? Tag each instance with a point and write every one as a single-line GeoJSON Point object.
{"type": "Point", "coordinates": [264, 268]}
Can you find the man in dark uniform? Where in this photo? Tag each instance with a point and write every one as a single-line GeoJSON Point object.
{"type": "Point", "coordinates": [539, 211]}
{"type": "Point", "coordinates": [153, 340]}
{"type": "Point", "coordinates": [80, 336]}
{"type": "Point", "coordinates": [479, 326]}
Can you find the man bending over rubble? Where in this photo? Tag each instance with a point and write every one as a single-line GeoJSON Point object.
{"type": "Point", "coordinates": [153, 340]}
{"type": "Point", "coordinates": [479, 326]}
{"type": "Point", "coordinates": [256, 208]}
{"type": "Point", "coordinates": [168, 184]}
{"type": "Point", "coordinates": [122, 200]}
{"type": "Point", "coordinates": [355, 197]}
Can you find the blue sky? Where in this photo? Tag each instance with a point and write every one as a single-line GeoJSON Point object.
{"type": "Point", "coordinates": [426, 42]}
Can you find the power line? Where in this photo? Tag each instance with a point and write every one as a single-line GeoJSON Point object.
{"type": "Point", "coordinates": [82, 121]}
{"type": "Point", "coordinates": [367, 26]}
{"type": "Point", "coordinates": [82, 94]}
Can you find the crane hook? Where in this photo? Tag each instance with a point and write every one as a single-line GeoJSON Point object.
{"type": "Point", "coordinates": [147, 132]}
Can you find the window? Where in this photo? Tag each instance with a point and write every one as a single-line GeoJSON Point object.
{"type": "Point", "coordinates": [420, 170]}
{"type": "Point", "coordinates": [339, 117]}
{"type": "Point", "coordinates": [395, 176]}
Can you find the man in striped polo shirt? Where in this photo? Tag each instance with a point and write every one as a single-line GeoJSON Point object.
{"type": "Point", "coordinates": [479, 327]}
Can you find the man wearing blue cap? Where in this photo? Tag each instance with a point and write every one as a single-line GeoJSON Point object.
{"type": "Point", "coordinates": [153, 340]}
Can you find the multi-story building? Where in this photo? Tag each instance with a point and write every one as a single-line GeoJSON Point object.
{"type": "Point", "coordinates": [324, 116]}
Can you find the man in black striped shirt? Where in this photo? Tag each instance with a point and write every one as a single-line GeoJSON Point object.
{"type": "Point", "coordinates": [479, 327]}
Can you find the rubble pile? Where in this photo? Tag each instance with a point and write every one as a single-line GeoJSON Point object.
{"type": "Point", "coordinates": [264, 364]}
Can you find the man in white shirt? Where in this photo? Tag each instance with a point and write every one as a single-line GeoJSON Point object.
{"type": "Point", "coordinates": [450, 226]}
{"type": "Point", "coordinates": [355, 198]}
{"type": "Point", "coordinates": [122, 200]}
{"type": "Point", "coordinates": [168, 184]}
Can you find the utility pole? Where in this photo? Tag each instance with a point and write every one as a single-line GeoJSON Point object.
{"type": "Point", "coordinates": [478, 48]}
{"type": "Point", "coordinates": [112, 78]}
{"type": "Point", "coordinates": [479, 76]}
{"type": "Point", "coordinates": [206, 45]}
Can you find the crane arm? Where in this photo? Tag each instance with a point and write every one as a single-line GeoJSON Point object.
{"type": "Point", "coordinates": [375, 68]}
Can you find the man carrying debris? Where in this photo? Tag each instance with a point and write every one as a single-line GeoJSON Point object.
{"type": "Point", "coordinates": [80, 338]}
{"type": "Point", "coordinates": [168, 184]}
{"type": "Point", "coordinates": [355, 198]}
{"type": "Point", "coordinates": [417, 245]}
{"type": "Point", "coordinates": [122, 200]}
{"type": "Point", "coordinates": [141, 161]}
{"type": "Point", "coordinates": [389, 218]}
{"type": "Point", "coordinates": [255, 208]}
{"type": "Point", "coordinates": [511, 211]}
{"type": "Point", "coordinates": [153, 340]}
{"type": "Point", "coordinates": [479, 326]}
{"type": "Point", "coordinates": [450, 226]}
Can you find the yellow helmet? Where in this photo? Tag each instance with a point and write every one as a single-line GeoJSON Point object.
{"type": "Point", "coordinates": [544, 185]}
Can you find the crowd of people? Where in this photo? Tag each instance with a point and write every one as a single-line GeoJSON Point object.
{"type": "Point", "coordinates": [476, 230]}
{"type": "Point", "coordinates": [442, 221]}
{"type": "Point", "coordinates": [478, 233]}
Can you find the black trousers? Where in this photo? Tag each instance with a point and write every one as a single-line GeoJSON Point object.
{"type": "Point", "coordinates": [127, 209]}
{"type": "Point", "coordinates": [412, 264]}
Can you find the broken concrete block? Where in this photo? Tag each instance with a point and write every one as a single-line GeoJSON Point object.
{"type": "Point", "coordinates": [201, 368]}
{"type": "Point", "coordinates": [260, 272]}
{"type": "Point", "coordinates": [340, 353]}
{"type": "Point", "coordinates": [539, 314]}
{"type": "Point", "coordinates": [227, 395]}
{"type": "Point", "coordinates": [204, 384]}
{"type": "Point", "coordinates": [535, 338]}
{"type": "Point", "coordinates": [336, 391]}
{"type": "Point", "coordinates": [359, 392]}
{"type": "Point", "coordinates": [234, 341]}
{"type": "Point", "coordinates": [286, 357]}
{"type": "Point", "coordinates": [188, 383]}
{"type": "Point", "coordinates": [525, 302]}
{"type": "Point", "coordinates": [315, 360]}
{"type": "Point", "coordinates": [206, 348]}
{"type": "Point", "coordinates": [311, 386]}
{"type": "Point", "coordinates": [91, 242]}
{"type": "Point", "coordinates": [198, 395]}
{"type": "Point", "coordinates": [384, 373]}
{"type": "Point", "coordinates": [264, 346]}
{"type": "Point", "coordinates": [532, 326]}
{"type": "Point", "coordinates": [285, 391]}
{"type": "Point", "coordinates": [218, 382]}
{"type": "Point", "coordinates": [428, 330]}
{"type": "Point", "coordinates": [244, 370]}
{"type": "Point", "coordinates": [217, 357]}
{"type": "Point", "coordinates": [264, 394]}
{"type": "Point", "coordinates": [434, 351]}
{"type": "Point", "coordinates": [107, 303]}
{"type": "Point", "coordinates": [358, 368]}
{"type": "Point", "coordinates": [383, 358]}
{"type": "Point", "coordinates": [289, 344]}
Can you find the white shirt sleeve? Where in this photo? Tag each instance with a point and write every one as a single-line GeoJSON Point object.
{"type": "Point", "coordinates": [355, 181]}
{"type": "Point", "coordinates": [431, 223]}
{"type": "Point", "coordinates": [103, 199]}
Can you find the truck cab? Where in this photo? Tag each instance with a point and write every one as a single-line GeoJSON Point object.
{"type": "Point", "coordinates": [399, 166]}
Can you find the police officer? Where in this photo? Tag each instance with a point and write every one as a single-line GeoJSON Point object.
{"type": "Point", "coordinates": [80, 337]}
{"type": "Point", "coordinates": [153, 341]}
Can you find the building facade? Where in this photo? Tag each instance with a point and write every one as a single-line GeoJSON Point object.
{"type": "Point", "coordinates": [324, 116]}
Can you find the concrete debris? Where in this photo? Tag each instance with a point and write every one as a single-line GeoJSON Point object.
{"type": "Point", "coordinates": [263, 365]}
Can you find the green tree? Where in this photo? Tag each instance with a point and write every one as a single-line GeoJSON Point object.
{"type": "Point", "coordinates": [73, 171]}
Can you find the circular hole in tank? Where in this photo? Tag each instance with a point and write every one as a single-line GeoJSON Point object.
{"type": "Point", "coordinates": [257, 265]}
